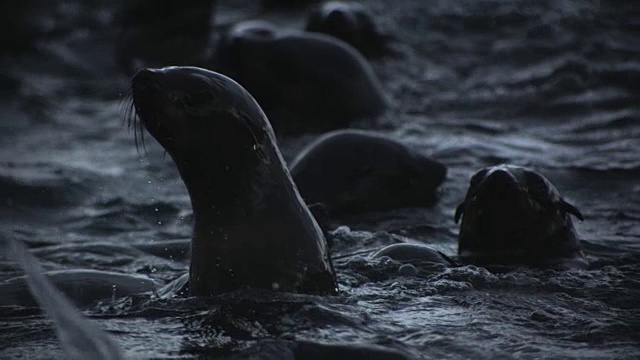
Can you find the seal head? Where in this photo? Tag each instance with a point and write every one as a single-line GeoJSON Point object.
{"type": "Point", "coordinates": [350, 22]}
{"type": "Point", "coordinates": [514, 215]}
{"type": "Point", "coordinates": [251, 227]}
{"type": "Point", "coordinates": [304, 81]}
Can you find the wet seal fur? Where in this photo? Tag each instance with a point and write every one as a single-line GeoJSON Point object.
{"type": "Point", "coordinates": [351, 23]}
{"type": "Point", "coordinates": [303, 81]}
{"type": "Point", "coordinates": [351, 171]}
{"type": "Point", "coordinates": [251, 228]}
{"type": "Point", "coordinates": [512, 215]}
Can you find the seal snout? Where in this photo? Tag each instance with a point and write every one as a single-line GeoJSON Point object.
{"type": "Point", "coordinates": [501, 193]}
{"type": "Point", "coordinates": [145, 78]}
{"type": "Point", "coordinates": [500, 180]}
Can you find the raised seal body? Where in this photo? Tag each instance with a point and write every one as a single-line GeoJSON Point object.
{"type": "Point", "coordinates": [514, 215]}
{"type": "Point", "coordinates": [251, 229]}
{"type": "Point", "coordinates": [304, 81]}
{"type": "Point", "coordinates": [352, 171]}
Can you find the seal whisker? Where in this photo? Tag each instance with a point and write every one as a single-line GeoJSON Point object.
{"type": "Point", "coordinates": [125, 103]}
{"type": "Point", "coordinates": [141, 129]}
{"type": "Point", "coordinates": [135, 134]}
{"type": "Point", "coordinates": [131, 119]}
{"type": "Point", "coordinates": [130, 114]}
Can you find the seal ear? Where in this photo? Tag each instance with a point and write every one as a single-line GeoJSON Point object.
{"type": "Point", "coordinates": [459, 212]}
{"type": "Point", "coordinates": [570, 209]}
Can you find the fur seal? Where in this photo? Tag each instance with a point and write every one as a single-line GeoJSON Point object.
{"type": "Point", "coordinates": [352, 171]}
{"type": "Point", "coordinates": [304, 81]}
{"type": "Point", "coordinates": [164, 32]}
{"type": "Point", "coordinates": [83, 286]}
{"type": "Point", "coordinates": [512, 215]}
{"type": "Point", "coordinates": [351, 23]}
{"type": "Point", "coordinates": [251, 228]}
{"type": "Point", "coordinates": [406, 252]}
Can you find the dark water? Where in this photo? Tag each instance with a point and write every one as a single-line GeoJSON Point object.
{"type": "Point", "coordinates": [550, 84]}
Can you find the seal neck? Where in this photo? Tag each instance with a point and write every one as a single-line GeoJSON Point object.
{"type": "Point", "coordinates": [252, 229]}
{"type": "Point", "coordinates": [219, 187]}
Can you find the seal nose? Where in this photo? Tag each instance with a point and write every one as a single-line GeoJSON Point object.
{"type": "Point", "coordinates": [500, 181]}
{"type": "Point", "coordinates": [144, 77]}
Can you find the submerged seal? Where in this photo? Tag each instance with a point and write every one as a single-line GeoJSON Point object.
{"type": "Point", "coordinates": [352, 171]}
{"type": "Point", "coordinates": [251, 227]}
{"type": "Point", "coordinates": [164, 32]}
{"type": "Point", "coordinates": [304, 81]}
{"type": "Point", "coordinates": [349, 22]}
{"type": "Point", "coordinates": [514, 215]}
{"type": "Point", "coordinates": [407, 252]}
{"type": "Point", "coordinates": [82, 286]}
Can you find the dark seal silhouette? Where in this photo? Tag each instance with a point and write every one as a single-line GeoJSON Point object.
{"type": "Point", "coordinates": [352, 171]}
{"type": "Point", "coordinates": [514, 215]}
{"type": "Point", "coordinates": [350, 22]}
{"type": "Point", "coordinates": [304, 81]}
{"type": "Point", "coordinates": [251, 229]}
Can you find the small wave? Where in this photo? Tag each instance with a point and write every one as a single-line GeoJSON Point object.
{"type": "Point", "coordinates": [117, 215]}
{"type": "Point", "coordinates": [42, 185]}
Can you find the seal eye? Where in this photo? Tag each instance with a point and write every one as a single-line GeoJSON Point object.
{"type": "Point", "coordinates": [536, 183]}
{"type": "Point", "coordinates": [196, 100]}
{"type": "Point", "coordinates": [538, 190]}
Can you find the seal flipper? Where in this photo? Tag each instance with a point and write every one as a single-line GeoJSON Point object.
{"type": "Point", "coordinates": [570, 209]}
{"type": "Point", "coordinates": [452, 261]}
{"type": "Point", "coordinates": [79, 337]}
